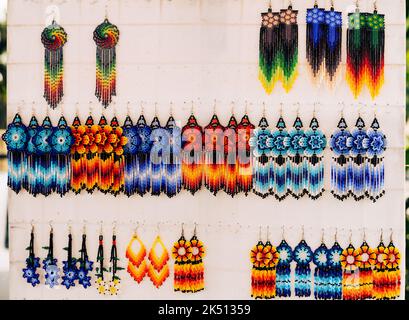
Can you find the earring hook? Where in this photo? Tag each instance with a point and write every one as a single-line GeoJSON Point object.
{"type": "Point", "coordinates": [336, 235]}
{"type": "Point", "coordinates": [391, 238]}
{"type": "Point", "coordinates": [195, 229]}
{"type": "Point", "coordinates": [381, 238]}
{"type": "Point", "coordinates": [51, 226]}
{"type": "Point", "coordinates": [114, 227]}
{"type": "Point", "coordinates": [259, 234]}
{"type": "Point", "coordinates": [192, 108]}
{"type": "Point", "coordinates": [322, 235]}
{"type": "Point", "coordinates": [267, 233]}
{"type": "Point", "coordinates": [183, 229]}
{"type": "Point", "coordinates": [350, 236]}
{"type": "Point", "coordinates": [282, 232]}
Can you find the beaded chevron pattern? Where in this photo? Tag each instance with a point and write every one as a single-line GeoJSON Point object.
{"type": "Point", "coordinates": [106, 36]}
{"type": "Point", "coordinates": [53, 38]}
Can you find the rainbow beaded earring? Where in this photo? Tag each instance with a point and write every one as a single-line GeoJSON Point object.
{"type": "Point", "coordinates": [106, 36]}
{"type": "Point", "coordinates": [53, 38]}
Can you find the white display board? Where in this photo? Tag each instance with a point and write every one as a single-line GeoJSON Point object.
{"type": "Point", "coordinates": [178, 51]}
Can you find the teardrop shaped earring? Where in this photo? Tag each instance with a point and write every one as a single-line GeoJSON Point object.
{"type": "Point", "coordinates": [137, 267]}
{"type": "Point", "coordinates": [158, 269]}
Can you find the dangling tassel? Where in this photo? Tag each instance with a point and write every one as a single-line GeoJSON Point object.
{"type": "Point", "coordinates": [53, 38]}
{"type": "Point", "coordinates": [85, 265]}
{"type": "Point", "coordinates": [214, 156]}
{"type": "Point", "coordinates": [16, 138]}
{"type": "Point", "coordinates": [355, 73]}
{"type": "Point", "coordinates": [143, 178]}
{"type": "Point", "coordinates": [100, 281]}
{"type": "Point", "coordinates": [156, 159]}
{"type": "Point", "coordinates": [296, 165]}
{"type": "Point", "coordinates": [104, 156]}
{"type": "Point", "coordinates": [303, 257]}
{"type": "Point", "coordinates": [271, 260]}
{"type": "Point", "coordinates": [315, 142]}
{"type": "Point", "coordinates": [106, 36]}
{"type": "Point", "coordinates": [61, 142]}
{"type": "Point", "coordinates": [78, 157]}
{"type": "Point", "coordinates": [375, 167]}
{"type": "Point", "coordinates": [258, 273]}
{"type": "Point", "coordinates": [333, 43]}
{"type": "Point", "coordinates": [117, 141]}
{"type": "Point", "coordinates": [44, 183]}
{"type": "Point", "coordinates": [289, 47]}
{"type": "Point", "coordinates": [245, 164]}
{"type": "Point", "coordinates": [335, 272]}
{"type": "Point", "coordinates": [172, 168]}
{"type": "Point", "coordinates": [158, 270]}
{"type": "Point", "coordinates": [192, 155]}
{"type": "Point", "coordinates": [316, 41]}
{"type": "Point", "coordinates": [230, 158]}
{"type": "Point", "coordinates": [131, 166]}
{"type": "Point", "coordinates": [350, 276]}
{"type": "Point", "coordinates": [180, 253]}
{"type": "Point", "coordinates": [32, 263]}
{"type": "Point", "coordinates": [279, 143]}
{"type": "Point", "coordinates": [31, 179]}
{"type": "Point", "coordinates": [92, 142]}
{"type": "Point", "coordinates": [380, 273]}
{"type": "Point", "coordinates": [367, 258]}
{"type": "Point", "coordinates": [269, 49]}
{"type": "Point", "coordinates": [50, 265]}
{"type": "Point", "coordinates": [70, 269]}
{"type": "Point", "coordinates": [283, 282]}
{"type": "Point", "coordinates": [393, 271]}
{"type": "Point", "coordinates": [196, 254]}
{"type": "Point", "coordinates": [261, 153]}
{"type": "Point", "coordinates": [321, 273]}
{"type": "Point", "coordinates": [341, 162]}
{"type": "Point", "coordinates": [374, 52]}
{"type": "Point", "coordinates": [113, 285]}
{"type": "Point", "coordinates": [358, 154]}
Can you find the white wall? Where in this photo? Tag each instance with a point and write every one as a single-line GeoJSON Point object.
{"type": "Point", "coordinates": [179, 51]}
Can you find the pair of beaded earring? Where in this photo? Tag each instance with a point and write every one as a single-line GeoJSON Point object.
{"type": "Point", "coordinates": [156, 268]}
{"type": "Point", "coordinates": [111, 286]}
{"type": "Point", "coordinates": [189, 266]}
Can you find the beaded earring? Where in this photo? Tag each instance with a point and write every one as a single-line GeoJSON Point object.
{"type": "Point", "coordinates": [261, 153]}
{"type": "Point", "coordinates": [257, 257]}
{"type": "Point", "coordinates": [100, 282]}
{"type": "Point", "coordinates": [196, 253]}
{"type": "Point", "coordinates": [53, 38]}
{"type": "Point", "coordinates": [172, 168]}
{"type": "Point", "coordinates": [380, 274]}
{"type": "Point", "coordinates": [50, 265]}
{"type": "Point", "coordinates": [106, 36]}
{"type": "Point", "coordinates": [180, 253]}
{"type": "Point", "coordinates": [70, 269]}
{"type": "Point", "coordinates": [283, 280]}
{"type": "Point", "coordinates": [350, 277]}
{"type": "Point", "coordinates": [143, 180]}
{"type": "Point", "coordinates": [137, 267]}
{"type": "Point", "coordinates": [321, 275]}
{"type": "Point", "coordinates": [245, 177]}
{"type": "Point", "coordinates": [303, 256]}
{"type": "Point", "coordinates": [32, 263]}
{"type": "Point", "coordinates": [335, 270]}
{"type": "Point", "coordinates": [271, 258]}
{"type": "Point", "coordinates": [85, 265]}
{"type": "Point", "coordinates": [358, 160]}
{"type": "Point", "coordinates": [130, 156]}
{"type": "Point", "coordinates": [214, 155]}
{"type": "Point", "coordinates": [113, 284]}
{"type": "Point", "coordinates": [367, 258]}
{"type": "Point", "coordinates": [192, 155]}
{"type": "Point", "coordinates": [156, 159]}
{"type": "Point", "coordinates": [158, 269]}
{"type": "Point", "coordinates": [392, 264]}
{"type": "Point", "coordinates": [230, 157]}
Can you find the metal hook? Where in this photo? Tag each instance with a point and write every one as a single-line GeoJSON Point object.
{"type": "Point", "coordinates": [214, 106]}
{"type": "Point", "coordinates": [381, 238]}
{"type": "Point", "coordinates": [84, 227]}
{"type": "Point", "coordinates": [270, 5]}
{"type": "Point", "coordinates": [350, 236]}
{"type": "Point", "coordinates": [259, 234]}
{"type": "Point", "coordinates": [375, 7]}
{"type": "Point", "coordinates": [101, 229]}
{"type": "Point", "coordinates": [51, 226]}
{"type": "Point", "coordinates": [69, 226]}
{"type": "Point", "coordinates": [364, 234]}
{"type": "Point", "coordinates": [282, 232]}
{"type": "Point", "coordinates": [322, 235]}
{"type": "Point", "coordinates": [141, 106]}
{"type": "Point", "coordinates": [281, 109]}
{"type": "Point", "coordinates": [246, 107]}
{"type": "Point", "coordinates": [302, 233]}
{"type": "Point", "coordinates": [135, 231]}
{"type": "Point", "coordinates": [391, 238]}
{"type": "Point", "coordinates": [156, 108]}
{"type": "Point", "coordinates": [183, 229]}
{"type": "Point", "coordinates": [264, 109]}
{"type": "Point", "coordinates": [114, 227]}
{"type": "Point", "coordinates": [171, 109]}
{"type": "Point", "coordinates": [192, 108]}
{"type": "Point", "coordinates": [267, 233]}
{"type": "Point", "coordinates": [90, 108]}
{"type": "Point", "coordinates": [232, 107]}
{"type": "Point", "coordinates": [195, 229]}
{"type": "Point", "coordinates": [336, 235]}
{"type": "Point", "coordinates": [32, 226]}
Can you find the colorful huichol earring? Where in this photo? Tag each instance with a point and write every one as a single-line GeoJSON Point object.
{"type": "Point", "coordinates": [335, 270]}
{"type": "Point", "coordinates": [214, 156]}
{"type": "Point", "coordinates": [137, 267]}
{"type": "Point", "coordinates": [279, 144]}
{"type": "Point", "coordinates": [358, 160]}
{"type": "Point", "coordinates": [180, 253]}
{"type": "Point", "coordinates": [31, 164]}
{"type": "Point", "coordinates": [230, 157]}
{"type": "Point", "coordinates": [156, 158]}
{"type": "Point", "coordinates": [143, 180]}
{"type": "Point", "coordinates": [322, 285]}
{"type": "Point", "coordinates": [158, 269]}
{"type": "Point", "coordinates": [50, 263]}
{"type": "Point", "coordinates": [172, 168]}
{"type": "Point", "coordinates": [374, 33]}
{"type": "Point", "coordinates": [350, 276]}
{"type": "Point", "coordinates": [257, 258]}
{"type": "Point", "coordinates": [192, 155]}
{"type": "Point", "coordinates": [61, 141]}
{"type": "Point", "coordinates": [85, 265]}
{"type": "Point", "coordinates": [113, 284]}
{"type": "Point", "coordinates": [100, 282]}
{"type": "Point", "coordinates": [283, 281]}
{"type": "Point", "coordinates": [341, 162]}
{"type": "Point", "coordinates": [32, 263]}
{"type": "Point", "coordinates": [303, 256]}
{"type": "Point", "coordinates": [375, 177]}
{"type": "Point", "coordinates": [380, 274]}
{"type": "Point", "coordinates": [271, 258]}
{"type": "Point", "coordinates": [53, 38]}
{"type": "Point", "coordinates": [316, 143]}
{"type": "Point", "coordinates": [16, 138]}
{"type": "Point", "coordinates": [106, 36]}
{"type": "Point", "coordinates": [333, 44]}
{"type": "Point", "coordinates": [70, 269]}
{"type": "Point", "coordinates": [196, 253]}
{"type": "Point", "coordinates": [261, 153]}
{"type": "Point", "coordinates": [245, 165]}
{"type": "Point", "coordinates": [295, 162]}
{"type": "Point", "coordinates": [392, 266]}
{"type": "Point", "coordinates": [367, 258]}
